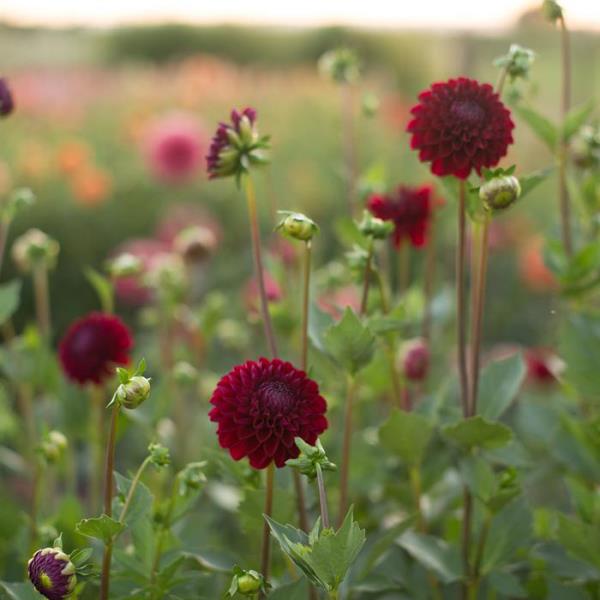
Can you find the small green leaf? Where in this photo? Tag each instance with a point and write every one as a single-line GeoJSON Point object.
{"type": "Point", "coordinates": [103, 287]}
{"type": "Point", "coordinates": [477, 432]}
{"type": "Point", "coordinates": [406, 435]}
{"type": "Point", "coordinates": [576, 118]}
{"type": "Point", "coordinates": [10, 294]}
{"type": "Point", "coordinates": [500, 382]}
{"type": "Point", "coordinates": [531, 181]}
{"type": "Point", "coordinates": [102, 528]}
{"type": "Point", "coordinates": [141, 502]}
{"type": "Point", "coordinates": [351, 343]}
{"type": "Point", "coordinates": [581, 539]}
{"type": "Point", "coordinates": [293, 591]}
{"type": "Point", "coordinates": [433, 553]}
{"type": "Point", "coordinates": [540, 125]}
{"type": "Point", "coordinates": [17, 591]}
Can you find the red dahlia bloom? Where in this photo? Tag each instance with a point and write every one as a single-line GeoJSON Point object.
{"type": "Point", "coordinates": [409, 208]}
{"type": "Point", "coordinates": [260, 407]}
{"type": "Point", "coordinates": [92, 347]}
{"type": "Point", "coordinates": [460, 125]}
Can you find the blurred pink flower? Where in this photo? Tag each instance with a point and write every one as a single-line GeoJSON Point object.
{"type": "Point", "coordinates": [334, 303]}
{"type": "Point", "coordinates": [132, 290]}
{"type": "Point", "coordinates": [174, 146]}
{"type": "Point", "coordinates": [252, 294]}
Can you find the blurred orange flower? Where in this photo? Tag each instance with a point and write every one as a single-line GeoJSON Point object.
{"type": "Point", "coordinates": [91, 186]}
{"type": "Point", "coordinates": [534, 273]}
{"type": "Point", "coordinates": [72, 156]}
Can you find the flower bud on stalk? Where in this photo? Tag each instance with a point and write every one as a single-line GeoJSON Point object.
{"type": "Point", "coordinates": [54, 446]}
{"type": "Point", "coordinates": [341, 65]}
{"type": "Point", "coordinates": [309, 458]}
{"type": "Point", "coordinates": [159, 455]}
{"type": "Point", "coordinates": [246, 583]}
{"type": "Point", "coordinates": [34, 247]}
{"type": "Point", "coordinates": [185, 374]}
{"type": "Point", "coordinates": [500, 192]}
{"type": "Point", "coordinates": [516, 62]}
{"type": "Point", "coordinates": [17, 201]}
{"type": "Point", "coordinates": [195, 244]}
{"type": "Point", "coordinates": [125, 265]}
{"type": "Point", "coordinates": [134, 388]}
{"type": "Point", "coordinates": [191, 477]}
{"type": "Point", "coordinates": [52, 573]}
{"type": "Point", "coordinates": [585, 147]}
{"type": "Point", "coordinates": [297, 226]}
{"type": "Point", "coordinates": [552, 10]}
{"type": "Point", "coordinates": [374, 227]}
{"type": "Point", "coordinates": [414, 357]}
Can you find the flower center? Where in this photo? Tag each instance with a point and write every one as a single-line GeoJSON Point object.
{"type": "Point", "coordinates": [45, 580]}
{"type": "Point", "coordinates": [467, 111]}
{"type": "Point", "coordinates": [276, 396]}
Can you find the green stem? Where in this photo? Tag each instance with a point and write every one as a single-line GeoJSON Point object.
{"type": "Point", "coordinates": [346, 447]}
{"type": "Point", "coordinates": [97, 434]}
{"type": "Point", "coordinates": [265, 561]}
{"type": "Point", "coordinates": [161, 538]}
{"type": "Point", "coordinates": [305, 304]}
{"type": "Point", "coordinates": [367, 279]}
{"type": "Point", "coordinates": [479, 283]}
{"type": "Point", "coordinates": [322, 497]}
{"type": "Point", "coordinates": [466, 540]}
{"type": "Point", "coordinates": [258, 264]}
{"type": "Point", "coordinates": [483, 536]}
{"type": "Point", "coordinates": [4, 227]}
{"type": "Point", "coordinates": [108, 495]}
{"type": "Point", "coordinates": [415, 481]}
{"type": "Point", "coordinates": [42, 299]}
{"type": "Point", "coordinates": [132, 488]}
{"type": "Point", "coordinates": [349, 147]}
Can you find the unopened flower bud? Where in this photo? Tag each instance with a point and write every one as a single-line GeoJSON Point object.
{"type": "Point", "coordinates": [341, 65]}
{"type": "Point", "coordinates": [167, 275]}
{"type": "Point", "coordinates": [370, 104]}
{"type": "Point", "coordinates": [500, 192]}
{"type": "Point", "coordinates": [246, 583]}
{"type": "Point", "coordinates": [191, 477]}
{"type": "Point", "coordinates": [309, 458]}
{"type": "Point", "coordinates": [17, 201]}
{"type": "Point", "coordinates": [374, 227]}
{"type": "Point", "coordinates": [195, 244]}
{"type": "Point", "coordinates": [53, 446]}
{"type": "Point", "coordinates": [414, 359]}
{"type": "Point", "coordinates": [159, 455]}
{"type": "Point", "coordinates": [552, 10]}
{"type": "Point", "coordinates": [185, 374]}
{"type": "Point", "coordinates": [52, 573]}
{"type": "Point", "coordinates": [516, 62]}
{"type": "Point", "coordinates": [585, 147]}
{"type": "Point", "coordinates": [34, 248]}
{"type": "Point", "coordinates": [132, 393]}
{"type": "Point", "coordinates": [297, 226]}
{"type": "Point", "coordinates": [125, 265]}
{"type": "Point", "coordinates": [7, 103]}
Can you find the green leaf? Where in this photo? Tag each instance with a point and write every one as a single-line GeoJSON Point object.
{"type": "Point", "coordinates": [141, 503]}
{"type": "Point", "coordinates": [17, 591]}
{"type": "Point", "coordinates": [477, 432]}
{"type": "Point", "coordinates": [293, 591]}
{"type": "Point", "coordinates": [576, 118]}
{"type": "Point", "coordinates": [581, 539]}
{"type": "Point", "coordinates": [102, 528]}
{"type": "Point", "coordinates": [103, 287]}
{"type": "Point", "coordinates": [531, 181]}
{"type": "Point", "coordinates": [540, 125]}
{"type": "Point", "coordinates": [406, 435]}
{"type": "Point", "coordinates": [500, 382]}
{"type": "Point", "coordinates": [351, 343]}
{"type": "Point", "coordinates": [579, 346]}
{"type": "Point", "coordinates": [334, 553]}
{"type": "Point", "coordinates": [433, 553]}
{"type": "Point", "coordinates": [507, 584]}
{"type": "Point", "coordinates": [10, 294]}
{"type": "Point", "coordinates": [479, 477]}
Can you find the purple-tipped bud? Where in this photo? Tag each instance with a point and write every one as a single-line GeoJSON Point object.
{"type": "Point", "coordinates": [52, 573]}
{"type": "Point", "coordinates": [237, 146]}
{"type": "Point", "coordinates": [7, 104]}
{"type": "Point", "coordinates": [415, 360]}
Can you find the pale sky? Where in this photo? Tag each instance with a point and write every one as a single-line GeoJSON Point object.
{"type": "Point", "coordinates": [371, 13]}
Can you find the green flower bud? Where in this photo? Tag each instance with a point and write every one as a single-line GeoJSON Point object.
{"type": "Point", "coordinates": [124, 265]}
{"type": "Point", "coordinates": [341, 65]}
{"type": "Point", "coordinates": [159, 455]}
{"type": "Point", "coordinates": [17, 201]}
{"type": "Point", "coordinates": [132, 393]}
{"type": "Point", "coordinates": [246, 583]}
{"type": "Point", "coordinates": [378, 229]}
{"type": "Point", "coordinates": [309, 458]}
{"type": "Point", "coordinates": [552, 10]}
{"type": "Point", "coordinates": [191, 478]}
{"type": "Point", "coordinates": [370, 104]}
{"type": "Point", "coordinates": [185, 374]}
{"type": "Point", "coordinates": [517, 61]}
{"type": "Point", "coordinates": [297, 226]}
{"type": "Point", "coordinates": [34, 248]}
{"type": "Point", "coordinates": [500, 192]}
{"type": "Point", "coordinates": [53, 446]}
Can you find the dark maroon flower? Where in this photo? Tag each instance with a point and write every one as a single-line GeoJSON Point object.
{"type": "Point", "coordinates": [460, 125]}
{"type": "Point", "coordinates": [52, 573]}
{"type": "Point", "coordinates": [410, 209]}
{"type": "Point", "coordinates": [543, 366]}
{"type": "Point", "coordinates": [93, 346]}
{"type": "Point", "coordinates": [415, 360]}
{"type": "Point", "coordinates": [7, 103]}
{"type": "Point", "coordinates": [236, 146]}
{"type": "Point", "coordinates": [261, 406]}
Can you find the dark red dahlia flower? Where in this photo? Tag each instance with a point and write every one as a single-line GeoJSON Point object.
{"type": "Point", "coordinates": [260, 407]}
{"type": "Point", "coordinates": [409, 208]}
{"type": "Point", "coordinates": [93, 346]}
{"type": "Point", "coordinates": [7, 103]}
{"type": "Point", "coordinates": [460, 125]}
{"type": "Point", "coordinates": [52, 573]}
